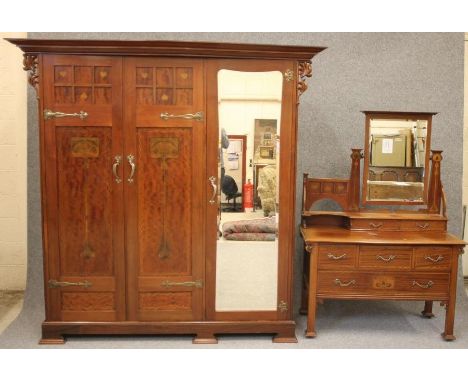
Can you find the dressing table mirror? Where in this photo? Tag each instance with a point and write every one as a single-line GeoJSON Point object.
{"type": "Point", "coordinates": [396, 158]}
{"type": "Point", "coordinates": [364, 253]}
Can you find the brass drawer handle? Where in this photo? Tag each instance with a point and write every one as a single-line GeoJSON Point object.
{"type": "Point", "coordinates": [427, 286]}
{"type": "Point", "coordinates": [423, 226]}
{"type": "Point", "coordinates": [436, 260]}
{"type": "Point", "coordinates": [131, 162]}
{"type": "Point", "coordinates": [198, 116]}
{"type": "Point", "coordinates": [386, 259]}
{"type": "Point", "coordinates": [333, 257]}
{"type": "Point", "coordinates": [342, 284]}
{"type": "Point", "coordinates": [196, 284]}
{"type": "Point", "coordinates": [376, 225]}
{"type": "Point", "coordinates": [117, 160]}
{"type": "Point", "coordinates": [49, 114]}
{"type": "Point", "coordinates": [212, 180]}
{"type": "Point", "coordinates": [59, 284]}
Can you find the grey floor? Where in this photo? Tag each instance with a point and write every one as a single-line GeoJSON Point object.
{"type": "Point", "coordinates": [340, 324]}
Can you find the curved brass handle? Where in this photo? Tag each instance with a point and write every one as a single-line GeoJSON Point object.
{"type": "Point", "coordinates": [342, 284]}
{"type": "Point", "coordinates": [131, 161]}
{"type": "Point", "coordinates": [436, 260]}
{"type": "Point", "coordinates": [58, 284]}
{"type": "Point", "coordinates": [49, 114]}
{"type": "Point", "coordinates": [198, 116]}
{"type": "Point", "coordinates": [427, 286]}
{"type": "Point", "coordinates": [117, 160]}
{"type": "Point", "coordinates": [423, 226]}
{"type": "Point", "coordinates": [333, 257]}
{"type": "Point", "coordinates": [196, 284]}
{"type": "Point", "coordinates": [386, 259]}
{"type": "Point", "coordinates": [212, 180]}
{"type": "Point", "coordinates": [374, 225]}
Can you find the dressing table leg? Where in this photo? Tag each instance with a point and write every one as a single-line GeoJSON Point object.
{"type": "Point", "coordinates": [305, 289]}
{"type": "Point", "coordinates": [450, 313]}
{"type": "Point", "coordinates": [427, 312]}
{"type": "Point", "coordinates": [313, 251]}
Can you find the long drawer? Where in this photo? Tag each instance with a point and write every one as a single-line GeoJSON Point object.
{"type": "Point", "coordinates": [391, 283]}
{"type": "Point", "coordinates": [397, 225]}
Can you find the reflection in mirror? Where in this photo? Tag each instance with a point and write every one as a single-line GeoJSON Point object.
{"type": "Point", "coordinates": [397, 160]}
{"type": "Point", "coordinates": [249, 113]}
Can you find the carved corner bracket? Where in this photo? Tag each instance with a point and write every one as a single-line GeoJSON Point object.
{"type": "Point", "coordinates": [31, 65]}
{"type": "Point", "coordinates": [304, 72]}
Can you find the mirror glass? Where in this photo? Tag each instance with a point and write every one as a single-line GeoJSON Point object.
{"type": "Point", "coordinates": [396, 160]}
{"type": "Point", "coordinates": [249, 112]}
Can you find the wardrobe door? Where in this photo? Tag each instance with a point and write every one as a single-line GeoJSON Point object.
{"type": "Point", "coordinates": [164, 188]}
{"type": "Point", "coordinates": [82, 188]}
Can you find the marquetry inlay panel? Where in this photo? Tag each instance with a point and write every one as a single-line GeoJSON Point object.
{"type": "Point", "coordinates": [84, 147]}
{"type": "Point", "coordinates": [87, 301]}
{"type": "Point", "coordinates": [164, 86]}
{"type": "Point", "coordinates": [76, 84]}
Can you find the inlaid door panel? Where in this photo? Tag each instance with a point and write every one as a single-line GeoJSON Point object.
{"type": "Point", "coordinates": [84, 206]}
{"type": "Point", "coordinates": [165, 197]}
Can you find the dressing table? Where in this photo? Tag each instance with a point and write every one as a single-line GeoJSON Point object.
{"type": "Point", "coordinates": [361, 253]}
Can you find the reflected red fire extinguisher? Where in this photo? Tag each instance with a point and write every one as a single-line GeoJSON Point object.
{"type": "Point", "coordinates": [247, 196]}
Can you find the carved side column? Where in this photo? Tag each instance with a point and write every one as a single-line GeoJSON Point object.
{"type": "Point", "coordinates": [354, 180]}
{"type": "Point", "coordinates": [31, 65]}
{"type": "Point", "coordinates": [435, 186]}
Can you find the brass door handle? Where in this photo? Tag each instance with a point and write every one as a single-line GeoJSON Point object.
{"type": "Point", "coordinates": [196, 284]}
{"type": "Point", "coordinates": [436, 260]}
{"type": "Point", "coordinates": [117, 160]}
{"type": "Point", "coordinates": [333, 257]}
{"type": "Point", "coordinates": [386, 259]}
{"type": "Point", "coordinates": [426, 286]}
{"type": "Point", "coordinates": [212, 180]}
{"type": "Point", "coordinates": [342, 284]}
{"type": "Point", "coordinates": [58, 284]}
{"type": "Point", "coordinates": [376, 225]}
{"type": "Point", "coordinates": [49, 114]}
{"type": "Point", "coordinates": [131, 162]}
{"type": "Point", "coordinates": [198, 116]}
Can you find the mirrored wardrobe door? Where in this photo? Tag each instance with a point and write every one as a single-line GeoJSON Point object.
{"type": "Point", "coordinates": [249, 104]}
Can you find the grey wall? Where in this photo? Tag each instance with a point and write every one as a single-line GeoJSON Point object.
{"type": "Point", "coordinates": [358, 71]}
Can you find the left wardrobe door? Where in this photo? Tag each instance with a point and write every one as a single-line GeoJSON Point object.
{"type": "Point", "coordinates": [82, 162]}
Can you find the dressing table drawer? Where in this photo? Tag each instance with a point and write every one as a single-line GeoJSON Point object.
{"type": "Point", "coordinates": [432, 258]}
{"type": "Point", "coordinates": [337, 256]}
{"type": "Point", "coordinates": [384, 257]}
{"type": "Point", "coordinates": [375, 224]}
{"type": "Point", "coordinates": [423, 225]}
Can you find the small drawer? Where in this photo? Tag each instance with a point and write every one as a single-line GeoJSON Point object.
{"type": "Point", "coordinates": [375, 225]}
{"type": "Point", "coordinates": [423, 225]}
{"type": "Point", "coordinates": [385, 257]}
{"type": "Point", "coordinates": [432, 258]}
{"type": "Point", "coordinates": [337, 256]}
{"type": "Point", "coordinates": [423, 283]}
{"type": "Point", "coordinates": [335, 282]}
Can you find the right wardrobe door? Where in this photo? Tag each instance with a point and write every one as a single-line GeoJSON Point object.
{"type": "Point", "coordinates": [251, 163]}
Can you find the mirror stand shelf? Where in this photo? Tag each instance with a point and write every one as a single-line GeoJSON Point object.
{"type": "Point", "coordinates": [360, 253]}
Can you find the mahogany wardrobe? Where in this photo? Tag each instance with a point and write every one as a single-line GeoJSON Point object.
{"type": "Point", "coordinates": [142, 233]}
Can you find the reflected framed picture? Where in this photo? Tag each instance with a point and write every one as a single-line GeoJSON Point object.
{"type": "Point", "coordinates": [264, 137]}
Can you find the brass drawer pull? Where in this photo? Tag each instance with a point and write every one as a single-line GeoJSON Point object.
{"type": "Point", "coordinates": [423, 226]}
{"type": "Point", "coordinates": [59, 284]}
{"type": "Point", "coordinates": [386, 259]}
{"type": "Point", "coordinates": [333, 257]}
{"type": "Point", "coordinates": [198, 116]}
{"type": "Point", "coordinates": [49, 114]}
{"type": "Point", "coordinates": [117, 160]}
{"type": "Point", "coordinates": [196, 284]}
{"type": "Point", "coordinates": [376, 225]}
{"type": "Point", "coordinates": [427, 286]}
{"type": "Point", "coordinates": [342, 284]}
{"type": "Point", "coordinates": [131, 162]}
{"type": "Point", "coordinates": [439, 258]}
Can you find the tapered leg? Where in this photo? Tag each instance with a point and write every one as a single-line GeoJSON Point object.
{"type": "Point", "coordinates": [450, 312]}
{"type": "Point", "coordinates": [305, 282]}
{"type": "Point", "coordinates": [427, 312]}
{"type": "Point", "coordinates": [313, 251]}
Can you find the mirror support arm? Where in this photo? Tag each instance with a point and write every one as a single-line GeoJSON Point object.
{"type": "Point", "coordinates": [355, 181]}
{"type": "Point", "coordinates": [435, 185]}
